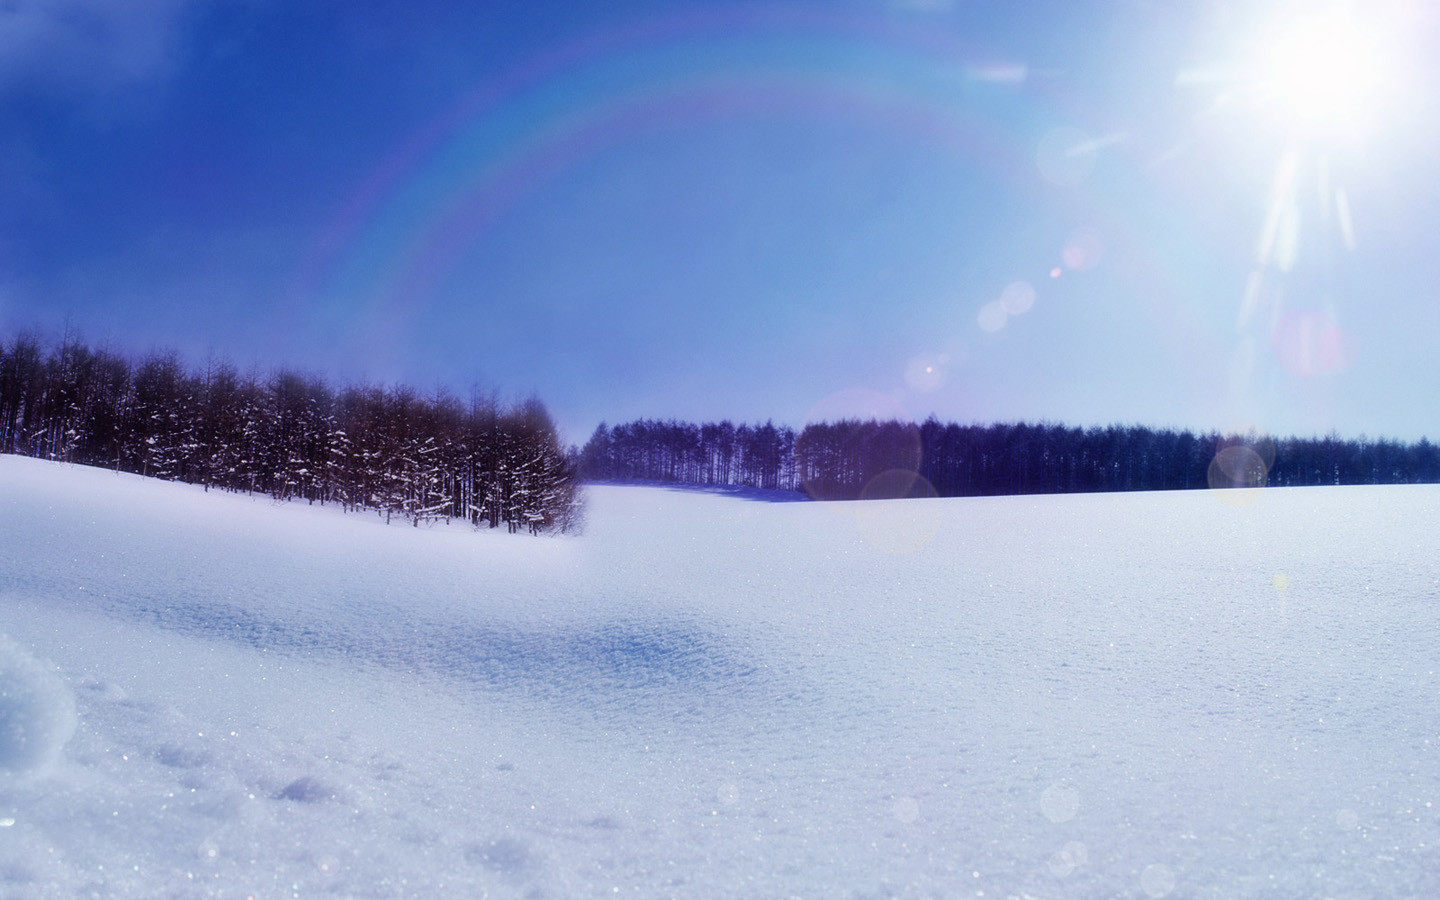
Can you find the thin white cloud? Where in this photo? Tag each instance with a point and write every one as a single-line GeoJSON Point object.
{"type": "Point", "coordinates": [998, 73]}
{"type": "Point", "coordinates": [86, 46]}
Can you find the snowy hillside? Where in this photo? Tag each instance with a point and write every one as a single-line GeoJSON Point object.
{"type": "Point", "coordinates": [1083, 696]}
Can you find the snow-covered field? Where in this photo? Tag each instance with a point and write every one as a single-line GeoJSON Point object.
{"type": "Point", "coordinates": [705, 696]}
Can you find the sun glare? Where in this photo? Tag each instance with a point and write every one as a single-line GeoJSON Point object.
{"type": "Point", "coordinates": [1321, 75]}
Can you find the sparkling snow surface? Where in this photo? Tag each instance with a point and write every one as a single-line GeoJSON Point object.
{"type": "Point", "coordinates": [1137, 695]}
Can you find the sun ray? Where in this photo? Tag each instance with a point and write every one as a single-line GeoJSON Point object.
{"type": "Point", "coordinates": [1342, 214]}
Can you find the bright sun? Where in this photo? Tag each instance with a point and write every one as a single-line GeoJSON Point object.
{"type": "Point", "coordinates": [1321, 75]}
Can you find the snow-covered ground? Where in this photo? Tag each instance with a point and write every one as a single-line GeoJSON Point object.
{"type": "Point", "coordinates": [1136, 695]}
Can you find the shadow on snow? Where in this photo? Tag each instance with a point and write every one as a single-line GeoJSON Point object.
{"type": "Point", "coordinates": [620, 657]}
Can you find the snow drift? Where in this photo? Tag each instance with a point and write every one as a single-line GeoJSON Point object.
{"type": "Point", "coordinates": [37, 712]}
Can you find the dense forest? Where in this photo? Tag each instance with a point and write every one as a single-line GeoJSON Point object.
{"type": "Point", "coordinates": [390, 450]}
{"type": "Point", "coordinates": [854, 459]}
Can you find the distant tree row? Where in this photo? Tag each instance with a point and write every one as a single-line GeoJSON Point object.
{"type": "Point", "coordinates": [1047, 458]}
{"type": "Point", "coordinates": [718, 453]}
{"type": "Point", "coordinates": [289, 435]}
{"type": "Point", "coordinates": [851, 459]}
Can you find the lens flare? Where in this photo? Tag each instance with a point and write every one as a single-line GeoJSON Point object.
{"type": "Point", "coordinates": [902, 447]}
{"type": "Point", "coordinates": [1237, 467]}
{"type": "Point", "coordinates": [926, 372]}
{"type": "Point", "coordinates": [1060, 802]}
{"type": "Point", "coordinates": [992, 316]}
{"type": "Point", "coordinates": [857, 403]}
{"type": "Point", "coordinates": [1068, 858]}
{"type": "Point", "coordinates": [1157, 880]}
{"type": "Point", "coordinates": [1017, 298]}
{"type": "Point", "coordinates": [1313, 83]}
{"type": "Point", "coordinates": [1308, 343]}
{"type": "Point", "coordinates": [1083, 250]}
{"type": "Point", "coordinates": [906, 810]}
{"type": "Point", "coordinates": [898, 512]}
{"type": "Point", "coordinates": [1237, 475]}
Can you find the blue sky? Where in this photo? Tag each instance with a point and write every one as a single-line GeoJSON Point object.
{"type": "Point", "coordinates": [1081, 212]}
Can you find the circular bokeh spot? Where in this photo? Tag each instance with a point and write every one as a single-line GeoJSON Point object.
{"type": "Point", "coordinates": [906, 810]}
{"type": "Point", "coordinates": [1237, 466]}
{"type": "Point", "coordinates": [898, 513]}
{"type": "Point", "coordinates": [1237, 474]}
{"type": "Point", "coordinates": [992, 316]}
{"type": "Point", "coordinates": [1068, 858]}
{"type": "Point", "coordinates": [1060, 802]}
{"type": "Point", "coordinates": [1157, 880]}
{"type": "Point", "coordinates": [1083, 250]}
{"type": "Point", "coordinates": [1244, 456]}
{"type": "Point", "coordinates": [1017, 298]}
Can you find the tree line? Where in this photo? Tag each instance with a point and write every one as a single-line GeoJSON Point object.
{"type": "Point", "coordinates": [289, 435]}
{"type": "Point", "coordinates": [854, 459]}
{"type": "Point", "coordinates": [716, 453]}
